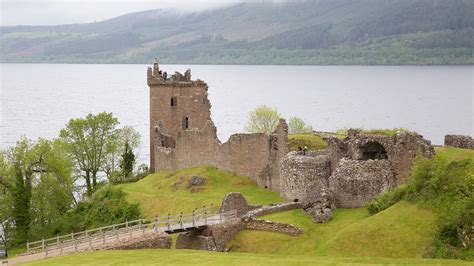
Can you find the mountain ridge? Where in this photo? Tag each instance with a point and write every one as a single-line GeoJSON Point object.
{"type": "Point", "coordinates": [309, 32]}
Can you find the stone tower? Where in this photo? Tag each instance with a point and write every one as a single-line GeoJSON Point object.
{"type": "Point", "coordinates": [177, 104]}
{"type": "Point", "coordinates": [182, 133]}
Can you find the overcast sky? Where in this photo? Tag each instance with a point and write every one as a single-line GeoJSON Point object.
{"type": "Point", "coordinates": [51, 12]}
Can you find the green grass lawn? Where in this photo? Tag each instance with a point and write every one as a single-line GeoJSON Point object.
{"type": "Point", "coordinates": [454, 154]}
{"type": "Point", "coordinates": [192, 257]}
{"type": "Point", "coordinates": [165, 192]}
{"type": "Point", "coordinates": [313, 142]}
{"type": "Point", "coordinates": [397, 235]}
{"type": "Point", "coordinates": [404, 230]}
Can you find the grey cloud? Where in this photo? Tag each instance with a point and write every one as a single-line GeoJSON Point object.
{"type": "Point", "coordinates": [52, 12]}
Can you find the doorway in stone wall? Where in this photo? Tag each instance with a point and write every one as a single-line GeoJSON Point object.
{"type": "Point", "coordinates": [372, 151]}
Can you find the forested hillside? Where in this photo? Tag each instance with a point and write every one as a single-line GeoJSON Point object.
{"type": "Point", "coordinates": [308, 32]}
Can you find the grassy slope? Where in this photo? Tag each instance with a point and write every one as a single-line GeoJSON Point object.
{"type": "Point", "coordinates": [404, 230]}
{"type": "Point", "coordinates": [166, 192]}
{"type": "Point", "coordinates": [313, 142]}
{"type": "Point", "coordinates": [454, 154]}
{"type": "Point", "coordinates": [191, 257]}
{"type": "Point", "coordinates": [395, 232]}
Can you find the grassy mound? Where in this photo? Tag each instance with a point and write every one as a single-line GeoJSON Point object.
{"type": "Point", "coordinates": [396, 232]}
{"type": "Point", "coordinates": [313, 142]}
{"type": "Point", "coordinates": [169, 192]}
{"type": "Point", "coordinates": [192, 257]}
{"type": "Point", "coordinates": [445, 185]}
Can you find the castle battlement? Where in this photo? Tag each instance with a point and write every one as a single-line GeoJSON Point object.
{"type": "Point", "coordinates": [155, 76]}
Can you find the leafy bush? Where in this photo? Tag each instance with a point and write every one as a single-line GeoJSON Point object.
{"type": "Point", "coordinates": [448, 189]}
{"type": "Point", "coordinates": [263, 119]}
{"type": "Point", "coordinates": [386, 200]}
{"type": "Point", "coordinates": [107, 206]}
{"type": "Point", "coordinates": [119, 178]}
{"type": "Point", "coordinates": [297, 125]}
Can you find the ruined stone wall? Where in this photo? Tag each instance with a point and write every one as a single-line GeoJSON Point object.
{"type": "Point", "coordinates": [148, 241]}
{"type": "Point", "coordinates": [236, 201]}
{"type": "Point", "coordinates": [195, 241]}
{"type": "Point", "coordinates": [278, 149]}
{"type": "Point", "coordinates": [251, 155]}
{"type": "Point", "coordinates": [265, 225]}
{"type": "Point", "coordinates": [245, 154]}
{"type": "Point", "coordinates": [337, 149]}
{"type": "Point", "coordinates": [300, 174]}
{"type": "Point", "coordinates": [356, 182]}
{"type": "Point", "coordinates": [401, 150]}
{"type": "Point", "coordinates": [223, 233]}
{"type": "Point", "coordinates": [355, 169]}
{"type": "Point", "coordinates": [459, 141]}
{"type": "Point", "coordinates": [183, 135]}
{"type": "Point", "coordinates": [272, 208]}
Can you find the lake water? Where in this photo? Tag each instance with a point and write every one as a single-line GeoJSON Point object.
{"type": "Point", "coordinates": [37, 100]}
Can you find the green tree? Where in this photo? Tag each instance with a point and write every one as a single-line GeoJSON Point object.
{"type": "Point", "coordinates": [128, 161]}
{"type": "Point", "coordinates": [115, 149]}
{"type": "Point", "coordinates": [26, 171]}
{"type": "Point", "coordinates": [107, 206]}
{"type": "Point", "coordinates": [264, 119]}
{"type": "Point", "coordinates": [89, 140]}
{"type": "Point", "coordinates": [297, 125]}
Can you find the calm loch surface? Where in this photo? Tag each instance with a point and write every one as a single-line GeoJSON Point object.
{"type": "Point", "coordinates": [37, 100]}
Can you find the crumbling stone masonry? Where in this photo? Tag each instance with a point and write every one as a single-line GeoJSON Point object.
{"type": "Point", "coordinates": [459, 141]}
{"type": "Point", "coordinates": [264, 225]}
{"type": "Point", "coordinates": [353, 170]}
{"type": "Point", "coordinates": [148, 241]}
{"type": "Point", "coordinates": [303, 173]}
{"type": "Point", "coordinates": [319, 203]}
{"type": "Point", "coordinates": [182, 133]}
{"type": "Point", "coordinates": [216, 237]}
{"type": "Point", "coordinates": [236, 201]}
{"type": "Point", "coordinates": [193, 240]}
{"type": "Point", "coordinates": [356, 182]}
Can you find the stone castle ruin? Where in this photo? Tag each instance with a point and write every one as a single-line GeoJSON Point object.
{"type": "Point", "coordinates": [182, 133]}
{"type": "Point", "coordinates": [459, 141]}
{"type": "Point", "coordinates": [347, 174]}
{"type": "Point", "coordinates": [354, 170]}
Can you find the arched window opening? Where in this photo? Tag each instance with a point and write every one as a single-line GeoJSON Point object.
{"type": "Point", "coordinates": [296, 200]}
{"type": "Point", "coordinates": [373, 151]}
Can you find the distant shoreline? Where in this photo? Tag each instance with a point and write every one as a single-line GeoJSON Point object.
{"type": "Point", "coordinates": [225, 64]}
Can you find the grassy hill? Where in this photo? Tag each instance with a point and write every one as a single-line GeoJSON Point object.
{"type": "Point", "coordinates": [395, 232]}
{"type": "Point", "coordinates": [293, 32]}
{"type": "Point", "coordinates": [399, 234]}
{"type": "Point", "coordinates": [165, 192]}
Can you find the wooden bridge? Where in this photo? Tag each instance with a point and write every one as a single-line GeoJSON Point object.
{"type": "Point", "coordinates": [102, 237]}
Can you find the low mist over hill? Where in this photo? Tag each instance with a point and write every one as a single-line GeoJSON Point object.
{"type": "Point", "coordinates": [308, 32]}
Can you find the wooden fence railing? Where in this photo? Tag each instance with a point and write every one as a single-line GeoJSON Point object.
{"type": "Point", "coordinates": [171, 224]}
